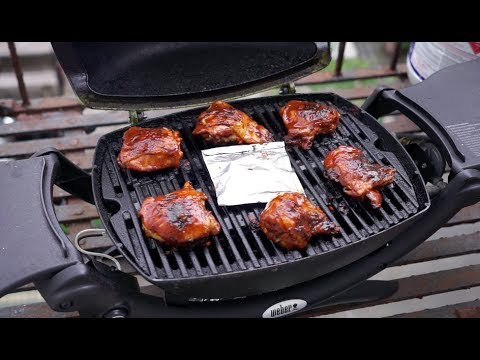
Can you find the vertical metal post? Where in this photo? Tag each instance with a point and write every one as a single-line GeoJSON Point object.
{"type": "Point", "coordinates": [60, 78]}
{"type": "Point", "coordinates": [395, 56]}
{"type": "Point", "coordinates": [133, 117]}
{"type": "Point", "coordinates": [338, 65]}
{"type": "Point", "coordinates": [136, 116]}
{"type": "Point", "coordinates": [18, 73]}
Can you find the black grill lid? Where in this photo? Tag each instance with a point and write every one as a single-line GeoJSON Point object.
{"type": "Point", "coordinates": [154, 75]}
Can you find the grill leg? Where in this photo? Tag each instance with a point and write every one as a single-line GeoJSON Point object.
{"type": "Point", "coordinates": [367, 291]}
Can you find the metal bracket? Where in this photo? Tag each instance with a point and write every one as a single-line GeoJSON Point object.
{"type": "Point", "coordinates": [288, 88]}
{"type": "Point", "coordinates": [136, 116]}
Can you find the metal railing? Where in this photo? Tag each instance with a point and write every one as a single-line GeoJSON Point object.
{"type": "Point", "coordinates": [19, 74]}
{"type": "Point", "coordinates": [323, 77]}
{"type": "Point", "coordinates": [393, 70]}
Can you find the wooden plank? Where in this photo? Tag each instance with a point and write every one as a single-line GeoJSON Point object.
{"type": "Point", "coordinates": [83, 160]}
{"type": "Point", "coordinates": [356, 74]}
{"type": "Point", "coordinates": [419, 286]}
{"type": "Point", "coordinates": [60, 193]}
{"type": "Point", "coordinates": [363, 92]}
{"type": "Point", "coordinates": [448, 311]}
{"type": "Point", "coordinates": [468, 214]}
{"type": "Point", "coordinates": [76, 226]}
{"type": "Point", "coordinates": [69, 213]}
{"type": "Point", "coordinates": [42, 105]}
{"type": "Point", "coordinates": [62, 121]}
{"type": "Point", "coordinates": [72, 201]}
{"type": "Point", "coordinates": [469, 312]}
{"type": "Point", "coordinates": [442, 248]}
{"type": "Point", "coordinates": [399, 124]}
{"type": "Point", "coordinates": [40, 310]}
{"type": "Point", "coordinates": [23, 148]}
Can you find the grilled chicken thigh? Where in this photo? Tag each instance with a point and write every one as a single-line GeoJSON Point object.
{"type": "Point", "coordinates": [305, 119]}
{"type": "Point", "coordinates": [150, 149]}
{"type": "Point", "coordinates": [359, 177]}
{"type": "Point", "coordinates": [221, 123]}
{"type": "Point", "coordinates": [178, 218]}
{"type": "Point", "coordinates": [290, 220]}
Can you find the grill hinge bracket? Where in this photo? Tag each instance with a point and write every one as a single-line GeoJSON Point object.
{"type": "Point", "coordinates": [135, 116]}
{"type": "Point", "coordinates": [288, 88]}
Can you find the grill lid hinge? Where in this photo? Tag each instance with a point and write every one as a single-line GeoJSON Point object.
{"type": "Point", "coordinates": [135, 116]}
{"type": "Point", "coordinates": [288, 88]}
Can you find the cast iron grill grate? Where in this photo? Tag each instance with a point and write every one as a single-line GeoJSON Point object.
{"type": "Point", "coordinates": [241, 245]}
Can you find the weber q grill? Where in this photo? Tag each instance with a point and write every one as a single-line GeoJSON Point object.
{"type": "Point", "coordinates": [240, 263]}
{"type": "Point", "coordinates": [241, 260]}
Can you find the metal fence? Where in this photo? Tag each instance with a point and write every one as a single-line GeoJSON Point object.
{"type": "Point", "coordinates": [323, 77]}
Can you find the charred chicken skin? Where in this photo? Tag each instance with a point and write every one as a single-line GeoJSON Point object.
{"type": "Point", "coordinates": [178, 218]}
{"type": "Point", "coordinates": [305, 119]}
{"type": "Point", "coordinates": [290, 220]}
{"type": "Point", "coordinates": [146, 149]}
{"type": "Point", "coordinates": [221, 123]}
{"type": "Point", "coordinates": [359, 177]}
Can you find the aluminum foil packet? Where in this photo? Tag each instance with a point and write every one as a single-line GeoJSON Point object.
{"type": "Point", "coordinates": [246, 174]}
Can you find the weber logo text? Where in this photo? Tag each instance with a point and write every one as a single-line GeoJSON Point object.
{"type": "Point", "coordinates": [284, 308]}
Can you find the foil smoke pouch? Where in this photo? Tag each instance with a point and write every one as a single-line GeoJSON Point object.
{"type": "Point", "coordinates": [246, 174]}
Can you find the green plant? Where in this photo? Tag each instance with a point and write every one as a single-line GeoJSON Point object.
{"type": "Point", "coordinates": [96, 223]}
{"type": "Point", "coordinates": [65, 229]}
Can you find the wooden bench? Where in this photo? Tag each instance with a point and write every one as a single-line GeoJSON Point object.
{"type": "Point", "coordinates": [76, 134]}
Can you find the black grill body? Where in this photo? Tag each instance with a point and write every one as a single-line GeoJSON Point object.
{"type": "Point", "coordinates": [241, 261]}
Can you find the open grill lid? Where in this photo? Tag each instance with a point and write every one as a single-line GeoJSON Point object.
{"type": "Point", "coordinates": [154, 75]}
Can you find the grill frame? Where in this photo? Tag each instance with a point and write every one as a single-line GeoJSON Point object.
{"type": "Point", "coordinates": [247, 278]}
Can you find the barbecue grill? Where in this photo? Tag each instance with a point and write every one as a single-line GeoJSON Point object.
{"type": "Point", "coordinates": [241, 273]}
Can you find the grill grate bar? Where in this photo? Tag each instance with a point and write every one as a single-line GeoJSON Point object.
{"type": "Point", "coordinates": [206, 250]}
{"type": "Point", "coordinates": [349, 200]}
{"type": "Point", "coordinates": [387, 194]}
{"type": "Point", "coordinates": [317, 178]}
{"type": "Point", "coordinates": [164, 260]}
{"type": "Point", "coordinates": [346, 138]}
{"type": "Point", "coordinates": [258, 241]}
{"type": "Point", "coordinates": [401, 184]}
{"type": "Point", "coordinates": [214, 208]}
{"type": "Point", "coordinates": [156, 245]}
{"type": "Point", "coordinates": [304, 179]}
{"type": "Point", "coordinates": [211, 264]}
{"type": "Point", "coordinates": [175, 252]}
{"type": "Point", "coordinates": [277, 250]}
{"type": "Point", "coordinates": [195, 262]}
{"type": "Point", "coordinates": [181, 264]}
{"type": "Point", "coordinates": [245, 243]}
{"type": "Point", "coordinates": [391, 218]}
{"type": "Point", "coordinates": [216, 242]}
{"type": "Point", "coordinates": [140, 244]}
{"type": "Point", "coordinates": [386, 190]}
{"type": "Point", "coordinates": [376, 224]}
{"type": "Point", "coordinates": [342, 128]}
{"type": "Point", "coordinates": [348, 122]}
